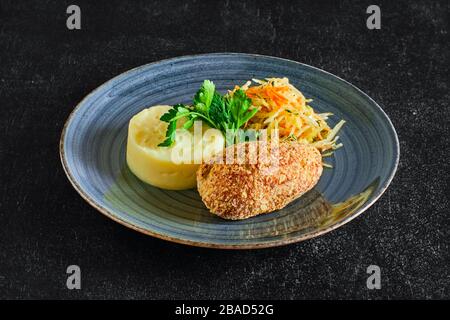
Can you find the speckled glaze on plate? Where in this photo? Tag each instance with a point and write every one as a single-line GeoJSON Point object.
{"type": "Point", "coordinates": [93, 145]}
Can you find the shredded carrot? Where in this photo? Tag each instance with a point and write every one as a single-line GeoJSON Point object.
{"type": "Point", "coordinates": [283, 106]}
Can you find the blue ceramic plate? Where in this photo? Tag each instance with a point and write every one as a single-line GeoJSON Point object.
{"type": "Point", "coordinates": [93, 145]}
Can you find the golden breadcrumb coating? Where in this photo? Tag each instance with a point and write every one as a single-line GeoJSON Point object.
{"type": "Point", "coordinates": [239, 191]}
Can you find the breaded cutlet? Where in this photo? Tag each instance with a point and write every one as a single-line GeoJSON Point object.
{"type": "Point", "coordinates": [239, 191]}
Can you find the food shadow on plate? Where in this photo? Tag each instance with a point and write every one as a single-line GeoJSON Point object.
{"type": "Point", "coordinates": [310, 213]}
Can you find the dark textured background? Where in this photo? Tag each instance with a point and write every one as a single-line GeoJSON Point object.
{"type": "Point", "coordinates": [45, 70]}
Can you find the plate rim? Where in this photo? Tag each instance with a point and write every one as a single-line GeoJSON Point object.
{"type": "Point", "coordinates": [269, 244]}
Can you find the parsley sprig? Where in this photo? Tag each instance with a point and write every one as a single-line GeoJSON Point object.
{"type": "Point", "coordinates": [224, 112]}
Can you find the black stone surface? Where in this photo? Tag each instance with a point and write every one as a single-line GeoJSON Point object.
{"type": "Point", "coordinates": [45, 70]}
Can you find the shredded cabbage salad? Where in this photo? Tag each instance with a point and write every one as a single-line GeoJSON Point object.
{"type": "Point", "coordinates": [282, 106]}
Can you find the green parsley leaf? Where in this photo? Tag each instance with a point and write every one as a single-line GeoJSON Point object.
{"type": "Point", "coordinates": [188, 124]}
{"type": "Point", "coordinates": [170, 135]}
{"type": "Point", "coordinates": [219, 114]}
{"type": "Point", "coordinates": [178, 111]}
{"type": "Point", "coordinates": [229, 112]}
{"type": "Point", "coordinates": [239, 105]}
{"type": "Point", "coordinates": [204, 96]}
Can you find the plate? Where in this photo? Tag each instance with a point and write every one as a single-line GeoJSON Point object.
{"type": "Point", "coordinates": [93, 144]}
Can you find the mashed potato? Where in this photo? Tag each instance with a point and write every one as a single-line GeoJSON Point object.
{"type": "Point", "coordinates": [172, 167]}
